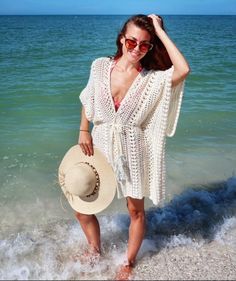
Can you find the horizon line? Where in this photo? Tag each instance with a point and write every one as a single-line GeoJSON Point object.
{"type": "Point", "coordinates": [113, 14]}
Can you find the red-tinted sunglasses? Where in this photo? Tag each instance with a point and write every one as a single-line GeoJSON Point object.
{"type": "Point", "coordinates": [144, 47]}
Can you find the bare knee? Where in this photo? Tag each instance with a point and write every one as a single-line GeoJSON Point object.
{"type": "Point", "coordinates": [136, 211]}
{"type": "Point", "coordinates": [83, 218]}
{"type": "Point", "coordinates": [137, 214]}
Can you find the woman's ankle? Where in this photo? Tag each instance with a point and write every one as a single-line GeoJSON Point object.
{"type": "Point", "coordinates": [94, 249]}
{"type": "Point", "coordinates": [129, 263]}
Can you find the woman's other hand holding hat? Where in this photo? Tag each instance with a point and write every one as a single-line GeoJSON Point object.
{"type": "Point", "coordinates": [86, 142]}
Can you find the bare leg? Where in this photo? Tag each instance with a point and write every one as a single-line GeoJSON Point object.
{"type": "Point", "coordinates": [91, 229]}
{"type": "Point", "coordinates": [136, 235]}
{"type": "Point", "coordinates": [136, 229]}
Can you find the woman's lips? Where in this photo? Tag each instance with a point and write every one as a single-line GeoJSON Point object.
{"type": "Point", "coordinates": [134, 55]}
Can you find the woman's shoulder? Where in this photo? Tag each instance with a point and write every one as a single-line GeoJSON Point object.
{"type": "Point", "coordinates": [100, 61]}
{"type": "Point", "coordinates": [161, 73]}
{"type": "Point", "coordinates": [157, 77]}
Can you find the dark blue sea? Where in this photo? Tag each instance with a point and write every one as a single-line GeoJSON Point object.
{"type": "Point", "coordinates": [44, 65]}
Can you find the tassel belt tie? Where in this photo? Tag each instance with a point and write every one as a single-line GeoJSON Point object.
{"type": "Point", "coordinates": [116, 150]}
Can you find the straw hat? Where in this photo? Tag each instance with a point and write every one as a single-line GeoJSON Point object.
{"type": "Point", "coordinates": [88, 182]}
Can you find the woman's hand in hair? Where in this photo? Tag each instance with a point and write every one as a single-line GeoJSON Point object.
{"type": "Point", "coordinates": [181, 67]}
{"type": "Point", "coordinates": [157, 22]}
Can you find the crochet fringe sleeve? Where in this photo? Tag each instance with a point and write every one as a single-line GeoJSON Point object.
{"type": "Point", "coordinates": [174, 96]}
{"type": "Point", "coordinates": [87, 95]}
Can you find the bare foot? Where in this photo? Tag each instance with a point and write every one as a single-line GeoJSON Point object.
{"type": "Point", "coordinates": [124, 272]}
{"type": "Point", "coordinates": [88, 256]}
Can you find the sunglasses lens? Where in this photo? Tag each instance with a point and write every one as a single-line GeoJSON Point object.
{"type": "Point", "coordinates": [130, 44]}
{"type": "Point", "coordinates": [145, 47]}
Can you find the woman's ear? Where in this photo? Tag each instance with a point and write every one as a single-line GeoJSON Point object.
{"type": "Point", "coordinates": [122, 39]}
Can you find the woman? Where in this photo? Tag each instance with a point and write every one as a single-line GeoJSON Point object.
{"type": "Point", "coordinates": [133, 100]}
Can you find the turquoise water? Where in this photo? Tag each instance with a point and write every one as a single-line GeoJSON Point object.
{"type": "Point", "coordinates": [44, 64]}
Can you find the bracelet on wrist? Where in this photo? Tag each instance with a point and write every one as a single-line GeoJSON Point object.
{"type": "Point", "coordinates": [84, 130]}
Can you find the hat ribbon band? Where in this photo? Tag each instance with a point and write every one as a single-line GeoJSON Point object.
{"type": "Point", "coordinates": [97, 185]}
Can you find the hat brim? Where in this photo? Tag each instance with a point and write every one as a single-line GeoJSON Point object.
{"type": "Point", "coordinates": [108, 185]}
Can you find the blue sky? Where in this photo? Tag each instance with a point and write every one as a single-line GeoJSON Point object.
{"type": "Point", "coordinates": [123, 7]}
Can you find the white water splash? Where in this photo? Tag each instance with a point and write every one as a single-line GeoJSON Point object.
{"type": "Point", "coordinates": [48, 252]}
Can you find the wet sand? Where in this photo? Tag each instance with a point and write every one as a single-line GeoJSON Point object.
{"type": "Point", "coordinates": [215, 260]}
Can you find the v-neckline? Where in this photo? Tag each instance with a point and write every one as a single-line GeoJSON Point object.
{"type": "Point", "coordinates": [136, 79]}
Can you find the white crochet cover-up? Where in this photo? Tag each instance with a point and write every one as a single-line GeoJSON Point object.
{"type": "Point", "coordinates": [133, 137]}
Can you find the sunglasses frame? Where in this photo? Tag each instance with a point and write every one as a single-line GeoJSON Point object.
{"type": "Point", "coordinates": [138, 44]}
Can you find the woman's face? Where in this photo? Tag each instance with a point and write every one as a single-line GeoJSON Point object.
{"type": "Point", "coordinates": [139, 35]}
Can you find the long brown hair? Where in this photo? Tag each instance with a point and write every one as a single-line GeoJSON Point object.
{"type": "Point", "coordinates": [157, 58]}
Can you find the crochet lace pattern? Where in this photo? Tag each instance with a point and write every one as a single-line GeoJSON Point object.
{"type": "Point", "coordinates": [133, 138]}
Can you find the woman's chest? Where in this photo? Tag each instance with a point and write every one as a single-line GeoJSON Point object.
{"type": "Point", "coordinates": [120, 95]}
{"type": "Point", "coordinates": [120, 83]}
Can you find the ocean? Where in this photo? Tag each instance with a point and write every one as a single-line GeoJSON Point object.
{"type": "Point", "coordinates": [44, 65]}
